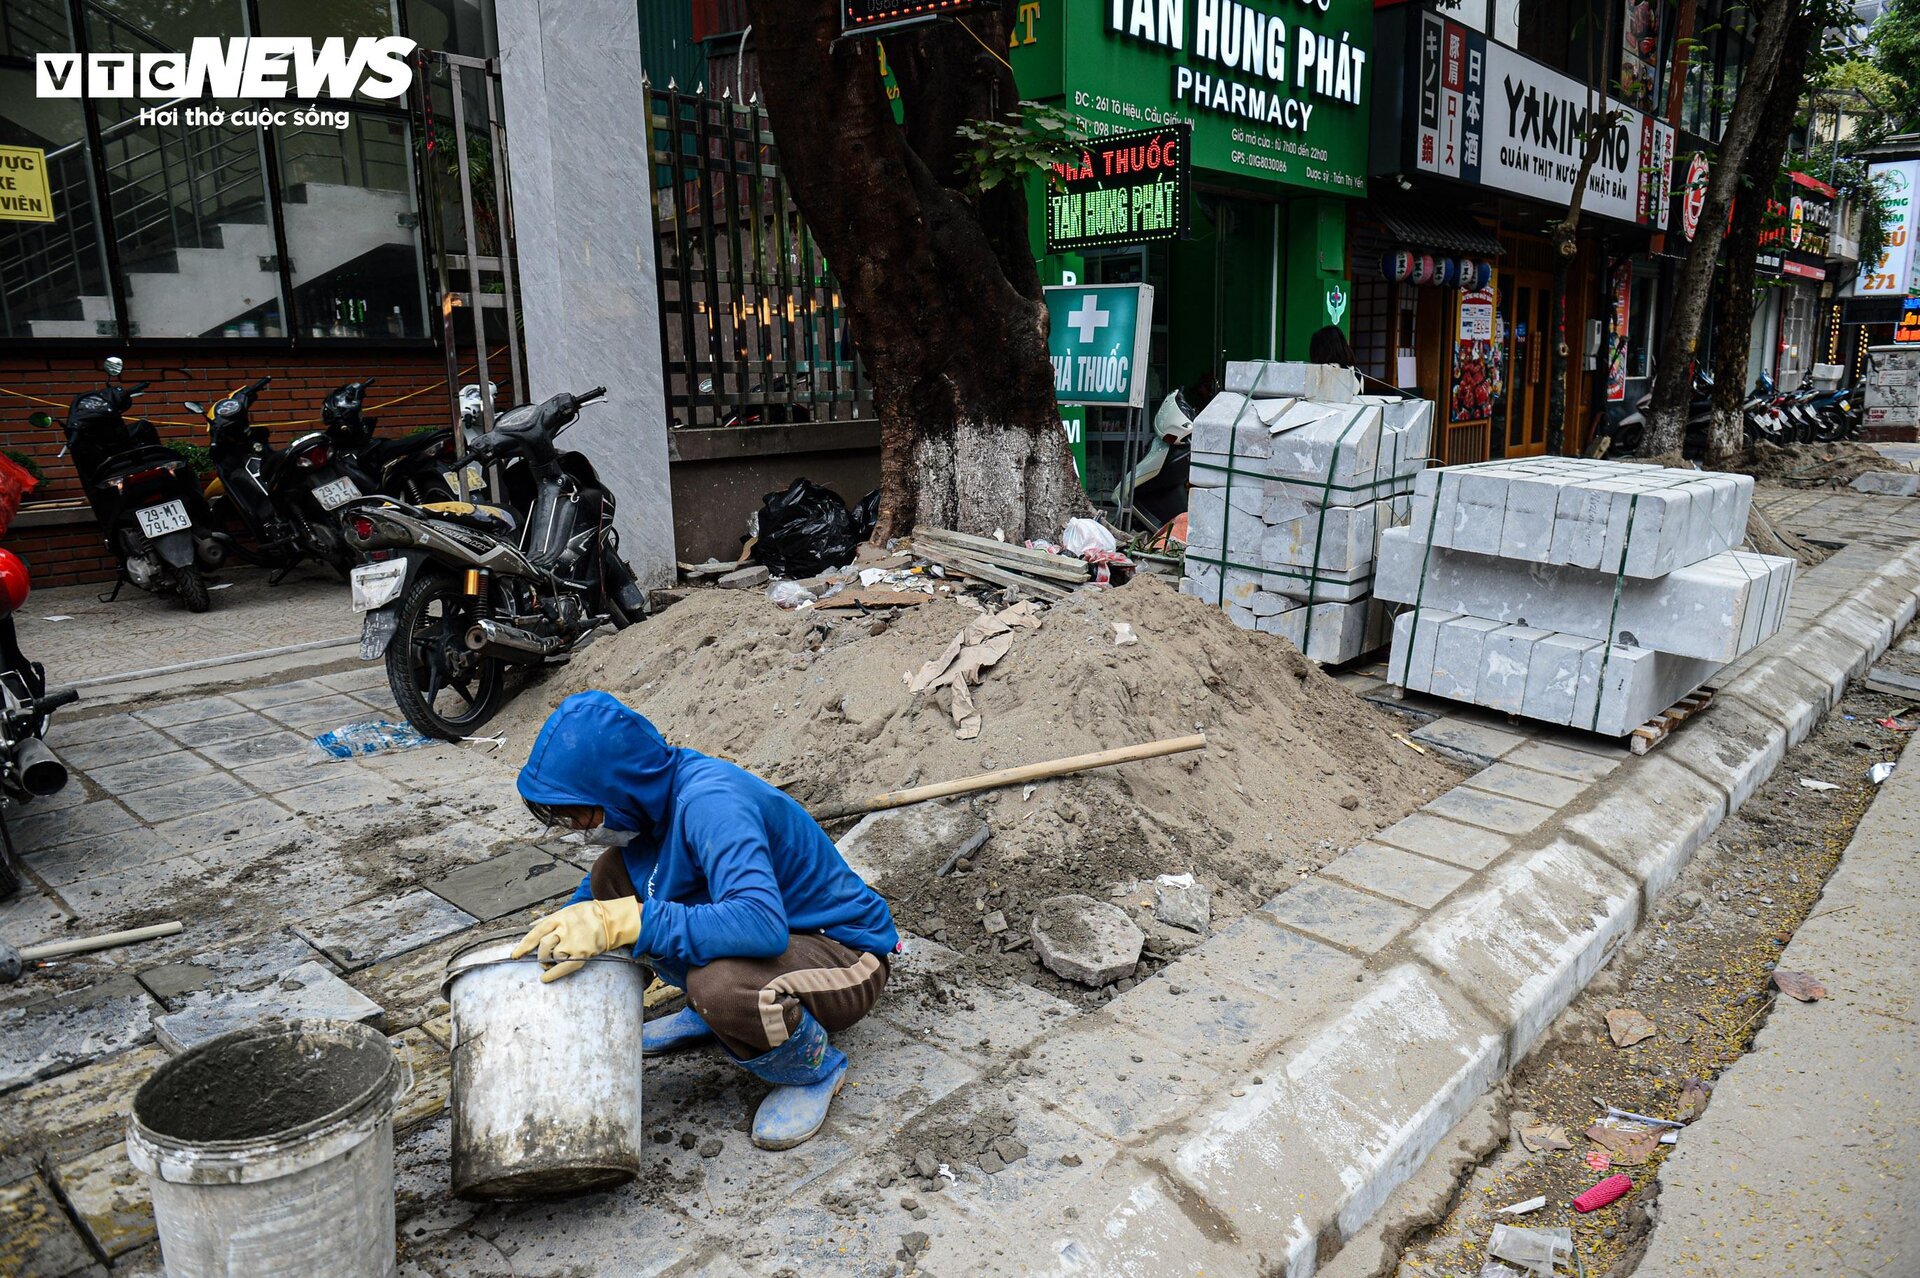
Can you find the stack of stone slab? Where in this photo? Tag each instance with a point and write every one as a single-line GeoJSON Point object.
{"type": "Point", "coordinates": [1296, 475]}
{"type": "Point", "coordinates": [1587, 593]}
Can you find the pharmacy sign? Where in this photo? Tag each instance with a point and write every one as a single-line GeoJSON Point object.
{"type": "Point", "coordinates": [1097, 338]}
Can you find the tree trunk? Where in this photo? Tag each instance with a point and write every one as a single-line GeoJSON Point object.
{"type": "Point", "coordinates": [1734, 287]}
{"type": "Point", "coordinates": [940, 285]}
{"type": "Point", "coordinates": [1673, 378]}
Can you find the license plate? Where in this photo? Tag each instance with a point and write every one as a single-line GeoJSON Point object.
{"type": "Point", "coordinates": [335, 494]}
{"type": "Point", "coordinates": [377, 585]}
{"type": "Point", "coordinates": [167, 517]}
{"type": "Point", "coordinates": [476, 479]}
{"type": "Point", "coordinates": [376, 632]}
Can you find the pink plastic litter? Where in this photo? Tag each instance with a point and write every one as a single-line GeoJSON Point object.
{"type": "Point", "coordinates": [1603, 1193]}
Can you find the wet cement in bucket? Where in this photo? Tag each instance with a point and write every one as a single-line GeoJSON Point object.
{"type": "Point", "coordinates": [261, 1084]}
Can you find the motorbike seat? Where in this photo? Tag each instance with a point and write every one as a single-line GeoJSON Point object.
{"type": "Point", "coordinates": [497, 520]}
{"type": "Point", "coordinates": [139, 457]}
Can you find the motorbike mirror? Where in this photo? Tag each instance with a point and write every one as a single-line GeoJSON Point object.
{"type": "Point", "coordinates": [44, 421]}
{"type": "Point", "coordinates": [113, 364]}
{"type": "Point", "coordinates": [193, 407]}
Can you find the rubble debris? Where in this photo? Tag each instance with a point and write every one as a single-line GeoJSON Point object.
{"type": "Point", "coordinates": [1123, 635]}
{"type": "Point", "coordinates": [749, 578]}
{"type": "Point", "coordinates": [1086, 940]}
{"type": "Point", "coordinates": [1879, 772]}
{"type": "Point", "coordinates": [711, 568]}
{"type": "Point", "coordinates": [1896, 683]}
{"type": "Point", "coordinates": [897, 839]}
{"type": "Point", "coordinates": [1628, 1026]}
{"type": "Point", "coordinates": [1798, 985]}
{"type": "Point", "coordinates": [1180, 901]}
{"type": "Point", "coordinates": [875, 598]}
{"type": "Point", "coordinates": [986, 1141]}
{"type": "Point", "coordinates": [1812, 784]}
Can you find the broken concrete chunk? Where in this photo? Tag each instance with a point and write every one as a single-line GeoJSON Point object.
{"type": "Point", "coordinates": [1086, 940]}
{"type": "Point", "coordinates": [920, 839]}
{"type": "Point", "coordinates": [310, 990]}
{"type": "Point", "coordinates": [746, 578]}
{"type": "Point", "coordinates": [1179, 901]}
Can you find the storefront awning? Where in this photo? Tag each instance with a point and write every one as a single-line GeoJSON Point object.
{"type": "Point", "coordinates": [1438, 229]}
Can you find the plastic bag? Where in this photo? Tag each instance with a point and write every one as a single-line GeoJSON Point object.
{"type": "Point", "coordinates": [805, 530]}
{"type": "Point", "coordinates": [1083, 535]}
{"type": "Point", "coordinates": [866, 515]}
{"type": "Point", "coordinates": [16, 481]}
{"type": "Point", "coordinates": [375, 737]}
{"type": "Point", "coordinates": [790, 594]}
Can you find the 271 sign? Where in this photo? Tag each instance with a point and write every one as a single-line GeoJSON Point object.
{"type": "Point", "coordinates": [1125, 188]}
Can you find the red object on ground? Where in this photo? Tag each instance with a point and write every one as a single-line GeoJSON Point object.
{"type": "Point", "coordinates": [1603, 1193]}
{"type": "Point", "coordinates": [14, 583]}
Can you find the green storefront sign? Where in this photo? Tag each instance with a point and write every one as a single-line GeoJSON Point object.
{"type": "Point", "coordinates": [1097, 339]}
{"type": "Point", "coordinates": [1276, 90]}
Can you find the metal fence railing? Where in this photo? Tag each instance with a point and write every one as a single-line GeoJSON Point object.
{"type": "Point", "coordinates": [753, 328]}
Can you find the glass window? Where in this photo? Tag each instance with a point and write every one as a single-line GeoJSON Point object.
{"type": "Point", "coordinates": [53, 273]}
{"type": "Point", "coordinates": [453, 26]}
{"type": "Point", "coordinates": [1641, 301]}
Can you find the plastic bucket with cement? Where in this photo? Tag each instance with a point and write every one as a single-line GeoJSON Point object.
{"type": "Point", "coordinates": [546, 1078]}
{"type": "Point", "coordinates": [270, 1151]}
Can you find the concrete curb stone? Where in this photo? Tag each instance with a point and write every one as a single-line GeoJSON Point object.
{"type": "Point", "coordinates": [1651, 829]}
{"type": "Point", "coordinates": [1736, 747]}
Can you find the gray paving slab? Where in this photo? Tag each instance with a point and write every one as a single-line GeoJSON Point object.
{"type": "Point", "coordinates": [67, 731]}
{"type": "Point", "coordinates": [322, 714]}
{"type": "Point", "coordinates": [368, 678]}
{"type": "Point", "coordinates": [281, 694]}
{"type": "Point", "coordinates": [106, 854]}
{"type": "Point", "coordinates": [309, 990]}
{"type": "Point", "coordinates": [293, 770]}
{"type": "Point", "coordinates": [465, 841]}
{"type": "Point", "coordinates": [1733, 743]}
{"type": "Point", "coordinates": [892, 1074]}
{"type": "Point", "coordinates": [197, 976]}
{"type": "Point", "coordinates": [72, 1029]}
{"type": "Point", "coordinates": [1564, 761]}
{"type": "Point", "coordinates": [189, 798]}
{"type": "Point", "coordinates": [1491, 811]}
{"type": "Point", "coordinates": [145, 774]}
{"type": "Point", "coordinates": [373, 931]}
{"type": "Point", "coordinates": [222, 731]}
{"type": "Point", "coordinates": [1404, 876]}
{"type": "Point", "coordinates": [1333, 912]}
{"type": "Point", "coordinates": [275, 747]}
{"type": "Point", "coordinates": [32, 915]}
{"type": "Point", "coordinates": [1430, 835]}
{"type": "Point", "coordinates": [109, 1198]}
{"type": "Point", "coordinates": [1469, 739]}
{"type": "Point", "coordinates": [192, 710]}
{"type": "Point", "coordinates": [512, 881]}
{"type": "Point", "coordinates": [1651, 824]}
{"type": "Point", "coordinates": [342, 787]}
{"type": "Point", "coordinates": [33, 830]}
{"type": "Point", "coordinates": [38, 1237]}
{"type": "Point", "coordinates": [1516, 782]}
{"type": "Point", "coordinates": [1116, 1078]}
{"type": "Point", "coordinates": [79, 1110]}
{"type": "Point", "coordinates": [982, 1017]}
{"type": "Point", "coordinates": [221, 825]}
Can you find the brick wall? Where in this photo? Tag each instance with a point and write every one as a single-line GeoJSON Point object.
{"type": "Point", "coordinates": [62, 546]}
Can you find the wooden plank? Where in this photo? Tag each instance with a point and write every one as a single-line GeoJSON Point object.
{"type": "Point", "coordinates": [1019, 558]}
{"type": "Point", "coordinates": [991, 574]}
{"type": "Point", "coordinates": [1065, 576]}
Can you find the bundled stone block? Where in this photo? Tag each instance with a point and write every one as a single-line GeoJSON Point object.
{"type": "Point", "coordinates": [1273, 379]}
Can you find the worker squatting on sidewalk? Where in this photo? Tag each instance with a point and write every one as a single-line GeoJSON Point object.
{"type": "Point", "coordinates": [746, 904]}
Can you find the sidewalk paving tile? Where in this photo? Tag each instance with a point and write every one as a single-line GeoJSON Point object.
{"type": "Point", "coordinates": [865, 1241]}
{"type": "Point", "coordinates": [67, 731]}
{"type": "Point", "coordinates": [1417, 880]}
{"type": "Point", "coordinates": [1332, 912]}
{"type": "Point", "coordinates": [35, 1236]}
{"type": "Point", "coordinates": [1462, 845]}
{"type": "Point", "coordinates": [293, 770]}
{"type": "Point", "coordinates": [143, 744]}
{"type": "Point", "coordinates": [1564, 761]}
{"type": "Point", "coordinates": [612, 1233]}
{"type": "Point", "coordinates": [80, 1111]}
{"type": "Point", "coordinates": [466, 842]}
{"type": "Point", "coordinates": [892, 1074]}
{"type": "Point", "coordinates": [72, 1029]}
{"type": "Point", "coordinates": [1469, 738]}
{"type": "Point", "coordinates": [1220, 1025]}
{"type": "Point", "coordinates": [109, 1198]}
{"type": "Point", "coordinates": [309, 990]}
{"type": "Point", "coordinates": [189, 798]}
{"type": "Point", "coordinates": [1523, 783]}
{"type": "Point", "coordinates": [222, 731]}
{"type": "Point", "coordinates": [1651, 827]}
{"type": "Point", "coordinates": [373, 931]}
{"type": "Point", "coordinates": [981, 1018]}
{"type": "Point", "coordinates": [108, 854]}
{"type": "Point", "coordinates": [274, 747]}
{"type": "Point", "coordinates": [242, 965]}
{"type": "Point", "coordinates": [371, 677]}
{"type": "Point", "coordinates": [239, 822]}
{"type": "Point", "coordinates": [432, 1071]}
{"type": "Point", "coordinates": [1048, 1134]}
{"type": "Point", "coordinates": [76, 791]}
{"type": "Point", "coordinates": [514, 880]}
{"type": "Point", "coordinates": [94, 820]}
{"type": "Point", "coordinates": [282, 694]}
{"type": "Point", "coordinates": [323, 714]}
{"type": "Point", "coordinates": [190, 711]}
{"type": "Point", "coordinates": [344, 788]}
{"type": "Point", "coordinates": [33, 916]}
{"type": "Point", "coordinates": [1116, 1079]}
{"type": "Point", "coordinates": [1494, 812]}
{"type": "Point", "coordinates": [145, 774]}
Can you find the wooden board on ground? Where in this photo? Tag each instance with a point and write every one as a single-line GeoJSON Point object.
{"type": "Point", "coordinates": [1023, 559]}
{"type": "Point", "coordinates": [874, 599]}
{"type": "Point", "coordinates": [991, 573]}
{"type": "Point", "coordinates": [1661, 726]}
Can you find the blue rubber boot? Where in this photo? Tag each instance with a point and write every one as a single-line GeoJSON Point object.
{"type": "Point", "coordinates": [806, 1072]}
{"type": "Point", "coordinates": [664, 1035]}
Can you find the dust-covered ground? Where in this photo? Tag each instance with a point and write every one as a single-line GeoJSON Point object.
{"type": "Point", "coordinates": [1296, 768]}
{"type": "Point", "coordinates": [1700, 970]}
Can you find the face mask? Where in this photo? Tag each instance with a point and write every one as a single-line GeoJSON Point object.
{"type": "Point", "coordinates": [605, 836]}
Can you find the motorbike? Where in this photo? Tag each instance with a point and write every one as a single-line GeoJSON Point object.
{"type": "Point", "coordinates": [417, 468]}
{"type": "Point", "coordinates": [457, 594]}
{"type": "Point", "coordinates": [143, 494]}
{"type": "Point", "coordinates": [286, 499]}
{"type": "Point", "coordinates": [29, 769]}
{"type": "Point", "coordinates": [1154, 492]}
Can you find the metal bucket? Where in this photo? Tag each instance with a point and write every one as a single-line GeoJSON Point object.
{"type": "Point", "coordinates": [270, 1151]}
{"type": "Point", "coordinates": [546, 1078]}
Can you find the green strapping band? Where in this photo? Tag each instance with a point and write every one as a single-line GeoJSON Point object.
{"type": "Point", "coordinates": [1420, 590]}
{"type": "Point", "coordinates": [1613, 618]}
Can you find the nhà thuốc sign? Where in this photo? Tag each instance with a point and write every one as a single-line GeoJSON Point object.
{"type": "Point", "coordinates": [1275, 90]}
{"type": "Point", "coordinates": [1097, 339]}
{"type": "Point", "coordinates": [1125, 188]}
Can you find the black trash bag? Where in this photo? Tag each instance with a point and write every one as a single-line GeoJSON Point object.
{"type": "Point", "coordinates": [805, 531]}
{"type": "Point", "coordinates": [866, 515]}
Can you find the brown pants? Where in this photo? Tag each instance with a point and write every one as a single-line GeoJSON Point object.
{"type": "Point", "coordinates": [753, 1004]}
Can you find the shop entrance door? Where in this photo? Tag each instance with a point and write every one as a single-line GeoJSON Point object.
{"type": "Point", "coordinates": [1526, 313]}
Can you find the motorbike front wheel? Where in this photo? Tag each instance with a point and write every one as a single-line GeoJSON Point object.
{"type": "Point", "coordinates": [444, 688]}
{"type": "Point", "coordinates": [192, 588]}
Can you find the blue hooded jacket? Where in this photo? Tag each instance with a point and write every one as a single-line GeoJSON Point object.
{"type": "Point", "coordinates": [726, 865]}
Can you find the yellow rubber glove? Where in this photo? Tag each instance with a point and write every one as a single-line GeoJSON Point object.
{"type": "Point", "coordinates": [567, 938]}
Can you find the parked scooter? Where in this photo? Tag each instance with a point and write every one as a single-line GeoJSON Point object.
{"type": "Point", "coordinates": [28, 768]}
{"type": "Point", "coordinates": [455, 595]}
{"type": "Point", "coordinates": [144, 495]}
{"type": "Point", "coordinates": [415, 468]}
{"type": "Point", "coordinates": [287, 499]}
{"type": "Point", "coordinates": [1154, 492]}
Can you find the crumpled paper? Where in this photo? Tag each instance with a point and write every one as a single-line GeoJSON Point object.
{"type": "Point", "coordinates": [985, 640]}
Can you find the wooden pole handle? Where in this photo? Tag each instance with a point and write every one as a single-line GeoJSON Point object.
{"type": "Point", "coordinates": [1014, 776]}
{"type": "Point", "coordinates": [105, 941]}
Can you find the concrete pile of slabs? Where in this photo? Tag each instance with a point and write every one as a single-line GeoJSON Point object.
{"type": "Point", "coordinates": [1588, 593]}
{"type": "Point", "coordinates": [1296, 476]}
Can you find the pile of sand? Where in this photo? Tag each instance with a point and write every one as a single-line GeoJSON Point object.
{"type": "Point", "coordinates": [1832, 465]}
{"type": "Point", "coordinates": [1297, 768]}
